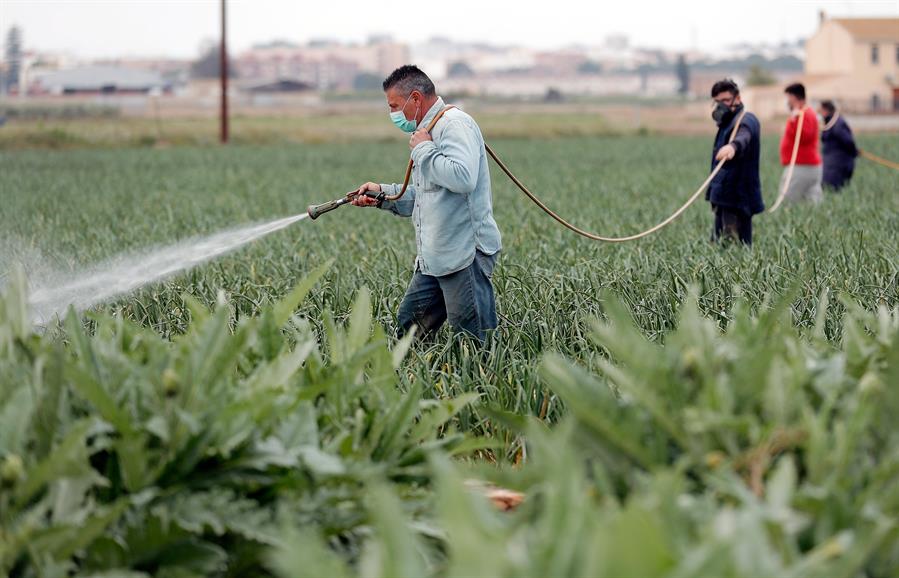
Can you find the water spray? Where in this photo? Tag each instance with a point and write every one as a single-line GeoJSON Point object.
{"type": "Point", "coordinates": [131, 271]}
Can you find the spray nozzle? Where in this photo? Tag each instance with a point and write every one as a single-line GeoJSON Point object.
{"type": "Point", "coordinates": [315, 211]}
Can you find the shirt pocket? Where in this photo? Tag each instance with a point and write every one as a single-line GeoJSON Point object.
{"type": "Point", "coordinates": [424, 184]}
{"type": "Point", "coordinates": [428, 186]}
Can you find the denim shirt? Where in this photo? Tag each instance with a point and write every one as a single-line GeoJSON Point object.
{"type": "Point", "coordinates": [449, 196]}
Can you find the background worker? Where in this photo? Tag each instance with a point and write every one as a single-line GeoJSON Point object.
{"type": "Point", "coordinates": [838, 150]}
{"type": "Point", "coordinates": [805, 181]}
{"type": "Point", "coordinates": [451, 206]}
{"type": "Point", "coordinates": [736, 191]}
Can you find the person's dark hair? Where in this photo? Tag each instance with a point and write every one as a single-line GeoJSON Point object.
{"type": "Point", "coordinates": [797, 90]}
{"type": "Point", "coordinates": [829, 106]}
{"type": "Point", "coordinates": [407, 78]}
{"type": "Point", "coordinates": [726, 85]}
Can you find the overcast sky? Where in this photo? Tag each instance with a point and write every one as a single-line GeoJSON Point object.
{"type": "Point", "coordinates": [110, 28]}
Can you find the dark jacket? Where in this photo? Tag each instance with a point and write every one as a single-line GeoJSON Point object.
{"type": "Point", "coordinates": [838, 152]}
{"type": "Point", "coordinates": [738, 184]}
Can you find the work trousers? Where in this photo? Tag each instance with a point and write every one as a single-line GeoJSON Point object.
{"type": "Point", "coordinates": [805, 184]}
{"type": "Point", "coordinates": [732, 224]}
{"type": "Point", "coordinates": [464, 298]}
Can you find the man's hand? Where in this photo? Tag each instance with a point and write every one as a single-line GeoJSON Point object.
{"type": "Point", "coordinates": [726, 153]}
{"type": "Point", "coordinates": [418, 137]}
{"type": "Point", "coordinates": [360, 200]}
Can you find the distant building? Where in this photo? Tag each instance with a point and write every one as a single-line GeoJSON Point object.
{"type": "Point", "coordinates": [855, 61]}
{"type": "Point", "coordinates": [438, 54]}
{"type": "Point", "coordinates": [389, 55]}
{"type": "Point", "coordinates": [100, 80]}
{"type": "Point", "coordinates": [312, 66]}
{"type": "Point", "coordinates": [559, 62]}
{"type": "Point", "coordinates": [322, 64]}
{"type": "Point", "coordinates": [532, 85]}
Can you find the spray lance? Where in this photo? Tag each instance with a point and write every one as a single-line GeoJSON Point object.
{"type": "Point", "coordinates": [315, 211]}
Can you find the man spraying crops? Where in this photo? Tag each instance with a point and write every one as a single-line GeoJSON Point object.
{"type": "Point", "coordinates": [451, 206]}
{"type": "Point", "coordinates": [838, 150]}
{"type": "Point", "coordinates": [736, 191]}
{"type": "Point", "coordinates": [805, 178]}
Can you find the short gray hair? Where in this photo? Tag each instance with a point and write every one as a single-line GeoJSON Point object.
{"type": "Point", "coordinates": [409, 77]}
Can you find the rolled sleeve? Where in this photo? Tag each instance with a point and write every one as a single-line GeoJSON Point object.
{"type": "Point", "coordinates": [401, 207]}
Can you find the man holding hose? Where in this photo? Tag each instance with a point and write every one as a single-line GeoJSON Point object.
{"type": "Point", "coordinates": [451, 207]}
{"type": "Point", "coordinates": [838, 150]}
{"type": "Point", "coordinates": [800, 146]}
{"type": "Point", "coordinates": [736, 191]}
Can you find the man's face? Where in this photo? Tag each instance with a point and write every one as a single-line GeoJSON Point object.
{"type": "Point", "coordinates": [728, 99]}
{"type": "Point", "coordinates": [410, 104]}
{"type": "Point", "coordinates": [793, 102]}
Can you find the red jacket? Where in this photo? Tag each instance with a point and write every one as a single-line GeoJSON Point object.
{"type": "Point", "coordinates": [808, 142]}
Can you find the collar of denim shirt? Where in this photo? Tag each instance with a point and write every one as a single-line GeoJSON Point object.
{"type": "Point", "coordinates": [432, 112]}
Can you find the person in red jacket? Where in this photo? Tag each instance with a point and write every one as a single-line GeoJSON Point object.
{"type": "Point", "coordinates": [805, 184]}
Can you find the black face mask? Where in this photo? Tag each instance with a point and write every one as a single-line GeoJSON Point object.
{"type": "Point", "coordinates": [723, 113]}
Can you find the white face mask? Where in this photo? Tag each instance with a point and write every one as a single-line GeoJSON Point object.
{"type": "Point", "coordinates": [399, 118]}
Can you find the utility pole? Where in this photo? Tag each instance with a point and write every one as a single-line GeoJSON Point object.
{"type": "Point", "coordinates": [223, 72]}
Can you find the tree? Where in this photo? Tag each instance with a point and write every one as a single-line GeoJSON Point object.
{"type": "Point", "coordinates": [460, 69]}
{"type": "Point", "coordinates": [553, 95]}
{"type": "Point", "coordinates": [758, 76]}
{"type": "Point", "coordinates": [682, 70]}
{"type": "Point", "coordinates": [643, 70]}
{"type": "Point", "coordinates": [589, 67]}
{"type": "Point", "coordinates": [366, 82]}
{"type": "Point", "coordinates": [207, 66]}
{"type": "Point", "coordinates": [13, 57]}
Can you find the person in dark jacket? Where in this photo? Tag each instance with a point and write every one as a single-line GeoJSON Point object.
{"type": "Point", "coordinates": [838, 148]}
{"type": "Point", "coordinates": [736, 191]}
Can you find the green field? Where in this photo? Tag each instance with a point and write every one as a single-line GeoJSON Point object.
{"type": "Point", "coordinates": [762, 360]}
{"type": "Point", "coordinates": [77, 208]}
{"type": "Point", "coordinates": [340, 123]}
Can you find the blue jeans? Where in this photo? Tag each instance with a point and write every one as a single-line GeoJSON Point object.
{"type": "Point", "coordinates": [464, 298]}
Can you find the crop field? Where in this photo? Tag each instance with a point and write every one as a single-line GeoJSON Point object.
{"type": "Point", "coordinates": [668, 407]}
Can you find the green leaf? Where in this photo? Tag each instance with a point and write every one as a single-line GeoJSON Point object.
{"type": "Point", "coordinates": [398, 419]}
{"type": "Point", "coordinates": [587, 400]}
{"type": "Point", "coordinates": [394, 552]}
{"type": "Point", "coordinates": [359, 326]}
{"type": "Point", "coordinates": [433, 415]}
{"type": "Point", "coordinates": [63, 541]}
{"type": "Point", "coordinates": [220, 511]}
{"type": "Point", "coordinates": [68, 459]}
{"type": "Point", "coordinates": [289, 303]}
{"type": "Point", "coordinates": [15, 416]}
{"type": "Point", "coordinates": [303, 554]}
{"type": "Point", "coordinates": [88, 386]}
{"type": "Point", "coordinates": [280, 370]}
